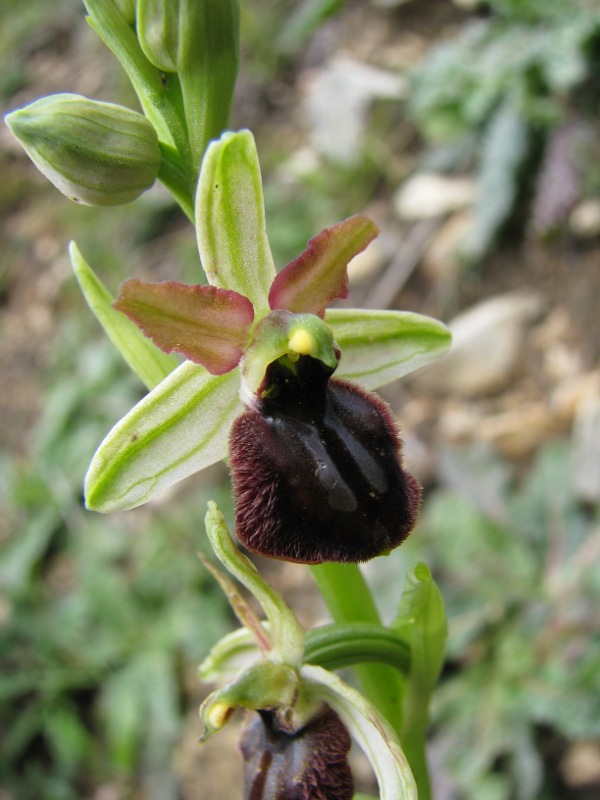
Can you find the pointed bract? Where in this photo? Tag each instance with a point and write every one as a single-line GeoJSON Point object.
{"type": "Point", "coordinates": [208, 325]}
{"type": "Point", "coordinates": [319, 275]}
{"type": "Point", "coordinates": [149, 363]}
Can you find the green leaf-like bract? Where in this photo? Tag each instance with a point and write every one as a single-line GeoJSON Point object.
{"type": "Point", "coordinates": [149, 363]}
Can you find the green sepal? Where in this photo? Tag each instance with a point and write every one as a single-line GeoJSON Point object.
{"type": "Point", "coordinates": [158, 32]}
{"type": "Point", "coordinates": [159, 93]}
{"type": "Point", "coordinates": [332, 646]}
{"type": "Point", "coordinates": [381, 346]}
{"type": "Point", "coordinates": [230, 220]}
{"type": "Point", "coordinates": [266, 685]}
{"type": "Point", "coordinates": [341, 645]}
{"type": "Point", "coordinates": [286, 633]}
{"type": "Point", "coordinates": [232, 653]}
{"type": "Point", "coordinates": [350, 600]}
{"type": "Point", "coordinates": [149, 363]}
{"type": "Point", "coordinates": [180, 427]}
{"type": "Point", "coordinates": [127, 9]}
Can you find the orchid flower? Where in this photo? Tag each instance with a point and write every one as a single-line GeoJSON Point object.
{"type": "Point", "coordinates": [300, 716]}
{"type": "Point", "coordinates": [261, 348]}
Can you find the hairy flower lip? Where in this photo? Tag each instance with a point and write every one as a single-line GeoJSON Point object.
{"type": "Point", "coordinates": [307, 764]}
{"type": "Point", "coordinates": [317, 471]}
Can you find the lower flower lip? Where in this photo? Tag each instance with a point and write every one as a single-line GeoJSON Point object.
{"type": "Point", "coordinates": [326, 488]}
{"type": "Point", "coordinates": [284, 766]}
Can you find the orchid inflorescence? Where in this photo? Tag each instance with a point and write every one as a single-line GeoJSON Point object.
{"type": "Point", "coordinates": [274, 380]}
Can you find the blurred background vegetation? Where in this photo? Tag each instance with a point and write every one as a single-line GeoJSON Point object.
{"type": "Point", "coordinates": [470, 132]}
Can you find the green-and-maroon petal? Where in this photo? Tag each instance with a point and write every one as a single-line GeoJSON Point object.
{"type": "Point", "coordinates": [207, 324]}
{"type": "Point", "coordinates": [319, 274]}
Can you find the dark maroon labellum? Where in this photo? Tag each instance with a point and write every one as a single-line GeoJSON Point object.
{"type": "Point", "coordinates": [310, 764]}
{"type": "Point", "coordinates": [317, 470]}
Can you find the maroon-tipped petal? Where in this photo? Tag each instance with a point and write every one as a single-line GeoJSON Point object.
{"type": "Point", "coordinates": [206, 324]}
{"type": "Point", "coordinates": [319, 274]}
{"type": "Point", "coordinates": [311, 764]}
{"type": "Point", "coordinates": [318, 476]}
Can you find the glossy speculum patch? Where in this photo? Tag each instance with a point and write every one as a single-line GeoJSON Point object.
{"type": "Point", "coordinates": [317, 470]}
{"type": "Point", "coordinates": [310, 764]}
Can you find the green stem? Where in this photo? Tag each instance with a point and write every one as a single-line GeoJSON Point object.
{"type": "Point", "coordinates": [176, 179]}
{"type": "Point", "coordinates": [159, 94]}
{"type": "Point", "coordinates": [349, 599]}
{"type": "Point", "coordinates": [414, 746]}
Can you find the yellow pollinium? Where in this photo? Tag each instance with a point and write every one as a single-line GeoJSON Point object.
{"type": "Point", "coordinates": [301, 342]}
{"type": "Point", "coordinates": [218, 714]}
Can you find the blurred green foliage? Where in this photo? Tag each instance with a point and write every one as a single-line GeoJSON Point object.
{"type": "Point", "coordinates": [103, 618]}
{"type": "Point", "coordinates": [495, 93]}
{"type": "Point", "coordinates": [518, 569]}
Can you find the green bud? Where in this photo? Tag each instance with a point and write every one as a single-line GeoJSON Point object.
{"type": "Point", "coordinates": [95, 153]}
{"type": "Point", "coordinates": [158, 32]}
{"type": "Point", "coordinates": [199, 40]}
{"type": "Point", "coordinates": [127, 8]}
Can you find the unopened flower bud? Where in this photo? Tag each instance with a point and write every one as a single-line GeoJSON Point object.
{"type": "Point", "coordinates": [199, 40]}
{"type": "Point", "coordinates": [127, 8]}
{"type": "Point", "coordinates": [95, 153]}
{"type": "Point", "coordinates": [158, 32]}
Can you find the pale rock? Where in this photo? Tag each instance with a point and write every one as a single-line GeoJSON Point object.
{"type": "Point", "coordinates": [366, 264]}
{"type": "Point", "coordinates": [442, 259]}
{"type": "Point", "coordinates": [519, 431]}
{"type": "Point", "coordinates": [487, 343]}
{"type": "Point", "coordinates": [586, 451]}
{"type": "Point", "coordinates": [337, 100]}
{"type": "Point", "coordinates": [515, 432]}
{"type": "Point", "coordinates": [584, 220]}
{"type": "Point", "coordinates": [572, 392]}
{"type": "Point", "coordinates": [581, 765]}
{"type": "Point", "coordinates": [556, 325]}
{"type": "Point", "coordinates": [458, 421]}
{"type": "Point", "coordinates": [427, 194]}
{"type": "Point", "coordinates": [561, 361]}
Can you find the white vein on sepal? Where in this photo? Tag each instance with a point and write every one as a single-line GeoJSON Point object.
{"type": "Point", "coordinates": [182, 426]}
{"type": "Point", "coordinates": [381, 346]}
